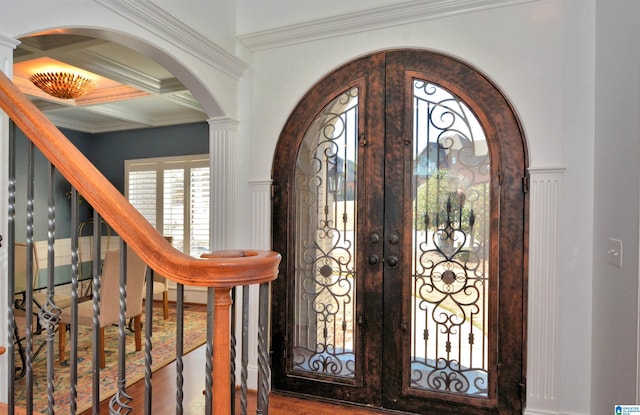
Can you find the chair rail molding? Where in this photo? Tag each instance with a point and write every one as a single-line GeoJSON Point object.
{"type": "Point", "coordinates": [542, 319]}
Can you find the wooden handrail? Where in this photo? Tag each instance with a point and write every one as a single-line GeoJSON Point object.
{"type": "Point", "coordinates": [222, 269]}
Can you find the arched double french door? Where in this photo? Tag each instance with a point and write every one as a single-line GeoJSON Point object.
{"type": "Point", "coordinates": [400, 209]}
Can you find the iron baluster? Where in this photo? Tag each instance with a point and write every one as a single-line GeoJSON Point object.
{"type": "Point", "coordinates": [179, 347]}
{"type": "Point", "coordinates": [120, 401]}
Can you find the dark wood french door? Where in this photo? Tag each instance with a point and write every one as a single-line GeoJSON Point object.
{"type": "Point", "coordinates": [400, 210]}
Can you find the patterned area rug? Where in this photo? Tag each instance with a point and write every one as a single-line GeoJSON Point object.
{"type": "Point", "coordinates": [163, 353]}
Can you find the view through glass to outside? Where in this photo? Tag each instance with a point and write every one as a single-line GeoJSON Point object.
{"type": "Point", "coordinates": [325, 241]}
{"type": "Point", "coordinates": [450, 281]}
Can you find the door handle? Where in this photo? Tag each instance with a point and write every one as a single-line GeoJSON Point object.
{"type": "Point", "coordinates": [374, 259]}
{"type": "Point", "coordinates": [392, 261]}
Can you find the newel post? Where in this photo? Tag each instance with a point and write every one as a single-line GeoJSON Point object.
{"type": "Point", "coordinates": [236, 268]}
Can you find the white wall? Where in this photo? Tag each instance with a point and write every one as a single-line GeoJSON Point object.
{"type": "Point", "coordinates": [541, 55]}
{"type": "Point", "coordinates": [215, 20]}
{"type": "Point", "coordinates": [519, 47]}
{"type": "Point", "coordinates": [615, 290]}
{"type": "Point", "coordinates": [575, 212]}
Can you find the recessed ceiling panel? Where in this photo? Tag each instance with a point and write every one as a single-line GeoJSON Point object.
{"type": "Point", "coordinates": [132, 90]}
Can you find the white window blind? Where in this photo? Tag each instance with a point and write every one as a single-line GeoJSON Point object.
{"type": "Point", "coordinates": [142, 193]}
{"type": "Point", "coordinates": [200, 190]}
{"type": "Point", "coordinates": [172, 193]}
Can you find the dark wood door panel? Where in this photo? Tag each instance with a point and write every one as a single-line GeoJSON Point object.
{"type": "Point", "coordinates": [366, 75]}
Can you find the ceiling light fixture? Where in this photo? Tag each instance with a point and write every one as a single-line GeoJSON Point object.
{"type": "Point", "coordinates": [63, 85]}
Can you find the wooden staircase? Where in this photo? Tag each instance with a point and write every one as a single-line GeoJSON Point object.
{"type": "Point", "coordinates": [221, 271]}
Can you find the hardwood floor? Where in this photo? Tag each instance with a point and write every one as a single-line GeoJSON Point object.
{"type": "Point", "coordinates": [287, 405]}
{"type": "Point", "coordinates": [164, 395]}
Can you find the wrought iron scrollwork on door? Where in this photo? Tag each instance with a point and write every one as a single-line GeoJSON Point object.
{"type": "Point", "coordinates": [450, 259]}
{"type": "Point", "coordinates": [325, 266]}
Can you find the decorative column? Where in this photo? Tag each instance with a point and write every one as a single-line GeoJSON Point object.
{"type": "Point", "coordinates": [222, 153]}
{"type": "Point", "coordinates": [542, 314]}
{"type": "Point", "coordinates": [7, 45]}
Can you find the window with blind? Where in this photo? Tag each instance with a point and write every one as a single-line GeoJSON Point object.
{"type": "Point", "coordinates": [172, 193]}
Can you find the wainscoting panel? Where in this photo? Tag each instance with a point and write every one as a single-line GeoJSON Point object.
{"type": "Point", "coordinates": [542, 313]}
{"type": "Point", "coordinates": [260, 239]}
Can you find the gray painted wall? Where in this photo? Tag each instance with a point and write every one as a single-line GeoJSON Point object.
{"type": "Point", "coordinates": [110, 150]}
{"type": "Point", "coordinates": [107, 151]}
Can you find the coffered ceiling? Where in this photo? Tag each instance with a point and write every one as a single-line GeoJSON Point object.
{"type": "Point", "coordinates": [132, 91]}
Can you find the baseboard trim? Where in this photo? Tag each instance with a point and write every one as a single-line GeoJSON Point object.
{"type": "Point", "coordinates": [529, 411]}
{"type": "Point", "coordinates": [533, 411]}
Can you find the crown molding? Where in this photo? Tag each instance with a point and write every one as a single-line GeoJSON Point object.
{"type": "Point", "coordinates": [8, 42]}
{"type": "Point", "coordinates": [150, 16]}
{"type": "Point", "coordinates": [223, 123]}
{"type": "Point", "coordinates": [366, 20]}
{"type": "Point", "coordinates": [184, 99]}
{"type": "Point", "coordinates": [98, 64]}
{"type": "Point", "coordinates": [85, 127]}
{"type": "Point", "coordinates": [61, 121]}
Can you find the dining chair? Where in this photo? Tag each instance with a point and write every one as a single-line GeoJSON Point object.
{"type": "Point", "coordinates": [39, 295]}
{"type": "Point", "coordinates": [39, 292]}
{"type": "Point", "coordinates": [20, 255]}
{"type": "Point", "coordinates": [110, 301]}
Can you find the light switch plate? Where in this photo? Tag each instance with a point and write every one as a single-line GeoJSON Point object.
{"type": "Point", "coordinates": [614, 252]}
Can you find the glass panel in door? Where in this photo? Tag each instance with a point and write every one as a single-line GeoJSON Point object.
{"type": "Point", "coordinates": [324, 336]}
{"type": "Point", "coordinates": [450, 255]}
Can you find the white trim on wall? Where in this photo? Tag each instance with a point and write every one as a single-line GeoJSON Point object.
{"type": "Point", "coordinates": [261, 213]}
{"type": "Point", "coordinates": [372, 19]}
{"type": "Point", "coordinates": [543, 412]}
{"type": "Point", "coordinates": [161, 23]}
{"type": "Point", "coordinates": [261, 239]}
{"type": "Point", "coordinates": [542, 319]}
{"type": "Point", "coordinates": [6, 66]}
{"type": "Point", "coordinates": [638, 332]}
{"type": "Point", "coordinates": [223, 133]}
